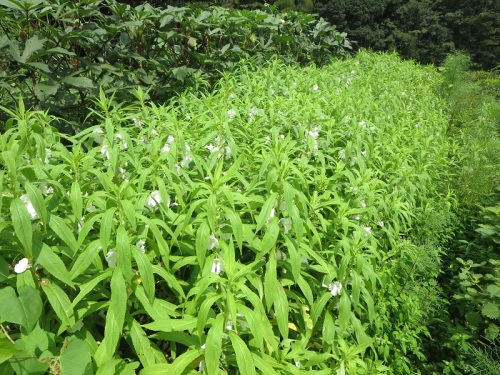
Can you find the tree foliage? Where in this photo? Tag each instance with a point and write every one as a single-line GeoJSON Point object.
{"type": "Point", "coordinates": [424, 30]}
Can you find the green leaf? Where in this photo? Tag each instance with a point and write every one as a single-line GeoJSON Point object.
{"type": "Point", "coordinates": [244, 357]}
{"type": "Point", "coordinates": [146, 273]}
{"type": "Point", "coordinates": [491, 310]}
{"type": "Point", "coordinates": [181, 363]}
{"type": "Point", "coordinates": [37, 200]}
{"type": "Point", "coordinates": [22, 225]}
{"type": "Point", "coordinates": [33, 44]}
{"type": "Point", "coordinates": [169, 325]}
{"type": "Point", "coordinates": [319, 305]}
{"type": "Point", "coordinates": [236, 225]}
{"type": "Point", "coordinates": [40, 66]}
{"type": "Point", "coordinates": [344, 310]}
{"type": "Point", "coordinates": [493, 290]}
{"type": "Point", "coordinates": [90, 285]}
{"type": "Point", "coordinates": [60, 303]}
{"type": "Point", "coordinates": [213, 345]}
{"type": "Point", "coordinates": [263, 364]}
{"type": "Point", "coordinates": [24, 310]}
{"type": "Point", "coordinates": [75, 358]}
{"type": "Point", "coordinates": [157, 369]}
{"type": "Point", "coordinates": [7, 350]}
{"type": "Point", "coordinates": [281, 310]}
{"type": "Point", "coordinates": [265, 212]}
{"type": "Point", "coordinates": [85, 258]}
{"type": "Point", "coordinates": [107, 227]}
{"type": "Point", "coordinates": [115, 317]}
{"type": "Point", "coordinates": [75, 197]}
{"type": "Point", "coordinates": [202, 237]}
{"type": "Point", "coordinates": [124, 253]}
{"type": "Point", "coordinates": [140, 342]}
{"type": "Point", "coordinates": [271, 284]}
{"type": "Point", "coordinates": [58, 225]}
{"type": "Point", "coordinates": [54, 265]}
{"type": "Point", "coordinates": [80, 82]}
{"type": "Point", "coordinates": [129, 210]}
{"type": "Point", "coordinates": [172, 282]}
{"type": "Point", "coordinates": [46, 89]}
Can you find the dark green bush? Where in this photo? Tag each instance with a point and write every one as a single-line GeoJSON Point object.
{"type": "Point", "coordinates": [56, 54]}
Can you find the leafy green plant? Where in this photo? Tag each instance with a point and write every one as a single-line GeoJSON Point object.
{"type": "Point", "coordinates": [264, 228]}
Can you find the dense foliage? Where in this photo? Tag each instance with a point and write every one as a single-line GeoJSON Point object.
{"type": "Point", "coordinates": [424, 30]}
{"type": "Point", "coordinates": [267, 227]}
{"type": "Point", "coordinates": [471, 278]}
{"type": "Point", "coordinates": [58, 54]}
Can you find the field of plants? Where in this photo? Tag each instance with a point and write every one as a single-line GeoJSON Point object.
{"type": "Point", "coordinates": [287, 218]}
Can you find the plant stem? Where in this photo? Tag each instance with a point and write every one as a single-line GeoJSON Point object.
{"type": "Point", "coordinates": [7, 334]}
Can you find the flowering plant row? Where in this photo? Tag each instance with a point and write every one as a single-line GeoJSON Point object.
{"type": "Point", "coordinates": [265, 228]}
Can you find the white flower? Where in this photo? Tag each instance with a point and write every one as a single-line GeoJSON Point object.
{"type": "Point", "coordinates": [315, 88]}
{"type": "Point", "coordinates": [231, 114]}
{"type": "Point", "coordinates": [168, 143]}
{"type": "Point", "coordinates": [304, 260]}
{"type": "Point", "coordinates": [46, 190]}
{"type": "Point", "coordinates": [362, 204]}
{"type": "Point", "coordinates": [141, 246]}
{"type": "Point", "coordinates": [98, 135]}
{"type": "Point", "coordinates": [112, 259]}
{"type": "Point", "coordinates": [212, 148]}
{"type": "Point", "coordinates": [201, 366]}
{"type": "Point", "coordinates": [314, 132]}
{"type": "Point", "coordinates": [186, 161]}
{"type": "Point", "coordinates": [137, 122]}
{"type": "Point", "coordinates": [354, 159]}
{"type": "Point", "coordinates": [154, 133]}
{"type": "Point", "coordinates": [282, 206]}
{"type": "Point", "coordinates": [105, 151]}
{"type": "Point", "coordinates": [287, 224]}
{"type": "Point", "coordinates": [177, 169]}
{"type": "Point", "coordinates": [29, 206]}
{"type": "Point", "coordinates": [217, 266]}
{"type": "Point", "coordinates": [335, 288]}
{"type": "Point", "coordinates": [78, 326]}
{"type": "Point", "coordinates": [227, 150]}
{"type": "Point", "coordinates": [123, 174]}
{"type": "Point", "coordinates": [165, 148]}
{"type": "Point", "coordinates": [48, 155]}
{"type": "Point", "coordinates": [367, 231]}
{"type": "Point", "coordinates": [22, 265]}
{"type": "Point", "coordinates": [380, 223]}
{"type": "Point", "coordinates": [280, 255]}
{"type": "Point", "coordinates": [123, 144]}
{"type": "Point", "coordinates": [342, 154]}
{"type": "Point", "coordinates": [271, 215]}
{"type": "Point", "coordinates": [80, 224]}
{"type": "Point", "coordinates": [153, 200]}
{"type": "Point", "coordinates": [363, 153]}
{"type": "Point", "coordinates": [213, 242]}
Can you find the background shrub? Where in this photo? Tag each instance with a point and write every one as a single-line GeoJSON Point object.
{"type": "Point", "coordinates": [57, 54]}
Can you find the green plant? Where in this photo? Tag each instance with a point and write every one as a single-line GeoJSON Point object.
{"type": "Point", "coordinates": [266, 227]}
